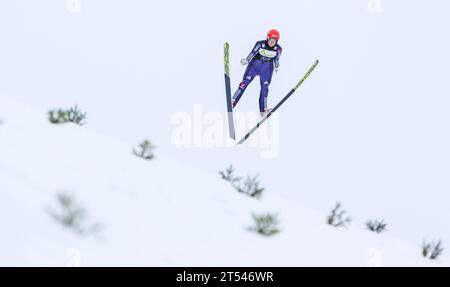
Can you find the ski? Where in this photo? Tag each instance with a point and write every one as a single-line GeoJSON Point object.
{"type": "Point", "coordinates": [280, 103]}
{"type": "Point", "coordinates": [226, 61]}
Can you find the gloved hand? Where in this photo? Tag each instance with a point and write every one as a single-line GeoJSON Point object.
{"type": "Point", "coordinates": [275, 69]}
{"type": "Point", "coordinates": [244, 62]}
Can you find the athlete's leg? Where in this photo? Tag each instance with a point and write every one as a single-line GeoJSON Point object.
{"type": "Point", "coordinates": [265, 79]}
{"type": "Point", "coordinates": [249, 75]}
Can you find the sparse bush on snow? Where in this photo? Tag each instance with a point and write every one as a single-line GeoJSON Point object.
{"type": "Point", "coordinates": [73, 216]}
{"type": "Point", "coordinates": [57, 117]}
{"type": "Point", "coordinates": [265, 224]}
{"type": "Point", "coordinates": [145, 150]}
{"type": "Point", "coordinates": [432, 250]}
{"type": "Point", "coordinates": [338, 217]}
{"type": "Point", "coordinates": [229, 175]}
{"type": "Point", "coordinates": [375, 225]}
{"type": "Point", "coordinates": [73, 115]}
{"type": "Point", "coordinates": [249, 186]}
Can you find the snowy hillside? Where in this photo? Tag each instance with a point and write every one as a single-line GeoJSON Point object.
{"type": "Point", "coordinates": [153, 213]}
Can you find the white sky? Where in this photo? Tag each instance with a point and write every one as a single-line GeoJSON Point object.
{"type": "Point", "coordinates": [369, 128]}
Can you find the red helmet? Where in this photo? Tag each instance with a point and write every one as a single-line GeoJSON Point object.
{"type": "Point", "coordinates": [273, 33]}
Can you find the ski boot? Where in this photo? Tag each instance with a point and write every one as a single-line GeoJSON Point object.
{"type": "Point", "coordinates": [265, 112]}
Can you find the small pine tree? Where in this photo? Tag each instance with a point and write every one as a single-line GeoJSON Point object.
{"type": "Point", "coordinates": [337, 218]}
{"type": "Point", "coordinates": [229, 175]}
{"type": "Point", "coordinates": [249, 186]}
{"type": "Point", "coordinates": [57, 117]}
{"type": "Point", "coordinates": [377, 226]}
{"type": "Point", "coordinates": [265, 224]}
{"type": "Point", "coordinates": [73, 115]}
{"type": "Point", "coordinates": [432, 250]}
{"type": "Point", "coordinates": [145, 150]}
{"type": "Point", "coordinates": [73, 216]}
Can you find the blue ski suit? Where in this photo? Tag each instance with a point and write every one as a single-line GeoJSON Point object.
{"type": "Point", "coordinates": [262, 60]}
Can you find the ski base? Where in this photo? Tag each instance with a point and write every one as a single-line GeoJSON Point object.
{"type": "Point", "coordinates": [226, 61]}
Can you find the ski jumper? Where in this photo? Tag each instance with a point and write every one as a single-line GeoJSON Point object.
{"type": "Point", "coordinates": [262, 60]}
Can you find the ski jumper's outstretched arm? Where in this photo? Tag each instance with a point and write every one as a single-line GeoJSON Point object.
{"type": "Point", "coordinates": [254, 52]}
{"type": "Point", "coordinates": [276, 61]}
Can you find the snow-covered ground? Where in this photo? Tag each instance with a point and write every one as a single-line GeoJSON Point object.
{"type": "Point", "coordinates": [155, 213]}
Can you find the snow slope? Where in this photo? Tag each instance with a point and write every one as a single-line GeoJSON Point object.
{"type": "Point", "coordinates": [156, 213]}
